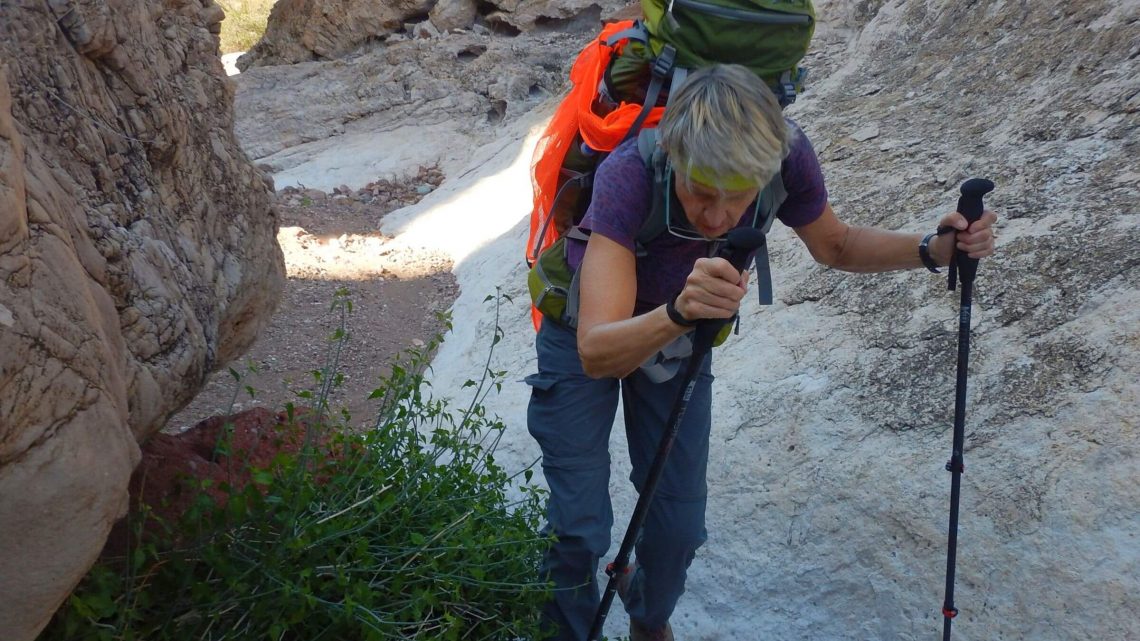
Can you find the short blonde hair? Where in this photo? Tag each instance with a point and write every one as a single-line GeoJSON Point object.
{"type": "Point", "coordinates": [725, 122]}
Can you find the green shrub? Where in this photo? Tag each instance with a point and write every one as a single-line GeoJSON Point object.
{"type": "Point", "coordinates": [244, 23]}
{"type": "Point", "coordinates": [406, 531]}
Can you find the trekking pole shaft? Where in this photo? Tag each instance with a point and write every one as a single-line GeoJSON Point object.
{"type": "Point", "coordinates": [957, 464]}
{"type": "Point", "coordinates": [645, 497]}
{"type": "Point", "coordinates": [741, 242]}
{"type": "Point", "coordinates": [969, 205]}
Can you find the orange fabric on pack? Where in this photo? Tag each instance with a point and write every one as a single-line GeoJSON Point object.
{"type": "Point", "coordinates": [575, 115]}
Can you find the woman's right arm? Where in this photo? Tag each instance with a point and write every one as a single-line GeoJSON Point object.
{"type": "Point", "coordinates": [611, 341]}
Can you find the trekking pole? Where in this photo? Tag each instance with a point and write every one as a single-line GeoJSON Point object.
{"type": "Point", "coordinates": [970, 206]}
{"type": "Point", "coordinates": [739, 246]}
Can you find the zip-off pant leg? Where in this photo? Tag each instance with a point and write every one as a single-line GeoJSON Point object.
{"type": "Point", "coordinates": [570, 415]}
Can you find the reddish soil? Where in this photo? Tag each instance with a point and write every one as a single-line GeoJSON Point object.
{"type": "Point", "coordinates": [330, 242]}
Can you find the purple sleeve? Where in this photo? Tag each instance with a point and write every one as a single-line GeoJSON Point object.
{"type": "Point", "coordinates": [803, 180]}
{"type": "Point", "coordinates": [621, 199]}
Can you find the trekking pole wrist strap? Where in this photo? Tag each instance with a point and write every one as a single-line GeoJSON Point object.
{"type": "Point", "coordinates": [675, 314]}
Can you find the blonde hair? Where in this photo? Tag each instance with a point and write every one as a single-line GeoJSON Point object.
{"type": "Point", "coordinates": [725, 122]}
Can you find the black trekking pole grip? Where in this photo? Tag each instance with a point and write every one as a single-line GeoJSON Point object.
{"type": "Point", "coordinates": [739, 245]}
{"type": "Point", "coordinates": [970, 205]}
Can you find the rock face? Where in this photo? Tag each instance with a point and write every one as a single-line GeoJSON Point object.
{"type": "Point", "coordinates": [307, 30]}
{"type": "Point", "coordinates": [380, 113]}
{"type": "Point", "coordinates": [137, 252]}
{"type": "Point", "coordinates": [421, 98]}
{"type": "Point", "coordinates": [301, 30]}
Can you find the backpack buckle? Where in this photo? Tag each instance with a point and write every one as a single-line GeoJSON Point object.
{"type": "Point", "coordinates": [663, 63]}
{"type": "Point", "coordinates": [788, 84]}
{"type": "Point", "coordinates": [787, 94]}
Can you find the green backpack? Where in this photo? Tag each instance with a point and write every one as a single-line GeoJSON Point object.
{"type": "Point", "coordinates": [770, 37]}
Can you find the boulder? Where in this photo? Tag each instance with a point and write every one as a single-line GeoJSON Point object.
{"type": "Point", "coordinates": [453, 14]}
{"type": "Point", "coordinates": [531, 15]}
{"type": "Point", "coordinates": [137, 253]}
{"type": "Point", "coordinates": [425, 29]}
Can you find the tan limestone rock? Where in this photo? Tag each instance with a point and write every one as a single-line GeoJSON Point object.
{"type": "Point", "coordinates": [137, 253]}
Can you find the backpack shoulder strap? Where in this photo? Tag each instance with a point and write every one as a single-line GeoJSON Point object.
{"type": "Point", "coordinates": [647, 145]}
{"type": "Point", "coordinates": [659, 72]}
{"type": "Point", "coordinates": [772, 196]}
{"type": "Point", "coordinates": [654, 158]}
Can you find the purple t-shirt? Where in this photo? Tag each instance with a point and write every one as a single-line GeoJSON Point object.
{"type": "Point", "coordinates": [622, 201]}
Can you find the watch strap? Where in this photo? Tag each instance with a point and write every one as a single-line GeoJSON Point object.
{"type": "Point", "coordinates": [924, 253]}
{"type": "Point", "coordinates": [924, 248]}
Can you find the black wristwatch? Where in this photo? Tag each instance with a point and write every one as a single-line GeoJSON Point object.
{"type": "Point", "coordinates": [675, 315]}
{"type": "Point", "coordinates": [924, 252]}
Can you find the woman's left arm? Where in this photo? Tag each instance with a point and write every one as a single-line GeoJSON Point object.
{"type": "Point", "coordinates": [867, 249]}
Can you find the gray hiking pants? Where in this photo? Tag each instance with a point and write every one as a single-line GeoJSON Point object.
{"type": "Point", "coordinates": [570, 415]}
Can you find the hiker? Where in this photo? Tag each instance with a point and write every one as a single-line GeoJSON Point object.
{"type": "Point", "coordinates": [725, 138]}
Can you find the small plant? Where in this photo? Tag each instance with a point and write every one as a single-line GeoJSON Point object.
{"type": "Point", "coordinates": [244, 23]}
{"type": "Point", "coordinates": [408, 531]}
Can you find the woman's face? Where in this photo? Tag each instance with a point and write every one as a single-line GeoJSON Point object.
{"type": "Point", "coordinates": [711, 212]}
